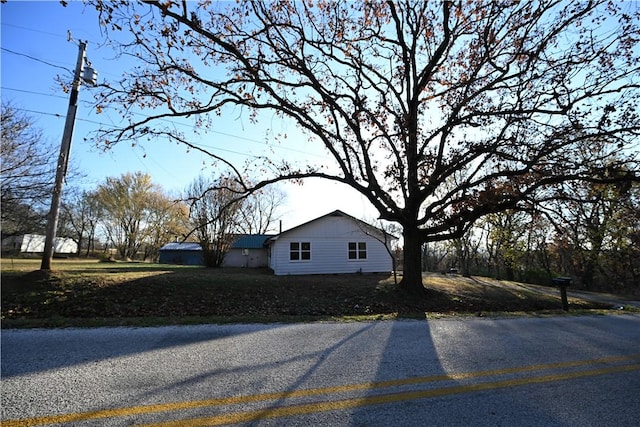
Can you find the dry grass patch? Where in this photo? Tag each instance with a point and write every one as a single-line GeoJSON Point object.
{"type": "Point", "coordinates": [88, 292]}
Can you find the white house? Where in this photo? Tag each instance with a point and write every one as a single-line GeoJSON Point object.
{"type": "Point", "coordinates": [333, 243]}
{"type": "Point", "coordinates": [34, 243]}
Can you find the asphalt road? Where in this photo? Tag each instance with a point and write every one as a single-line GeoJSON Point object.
{"type": "Point", "coordinates": [560, 371]}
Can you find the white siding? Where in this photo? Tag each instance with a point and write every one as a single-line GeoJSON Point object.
{"type": "Point", "coordinates": [34, 243]}
{"type": "Point", "coordinates": [255, 258]}
{"type": "Point", "coordinates": [329, 237]}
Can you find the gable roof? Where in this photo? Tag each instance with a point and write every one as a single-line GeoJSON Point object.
{"type": "Point", "coordinates": [337, 213]}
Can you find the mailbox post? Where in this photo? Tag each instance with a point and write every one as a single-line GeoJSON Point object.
{"type": "Point", "coordinates": [562, 283]}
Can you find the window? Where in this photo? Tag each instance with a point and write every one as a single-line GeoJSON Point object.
{"type": "Point", "coordinates": [299, 251]}
{"type": "Point", "coordinates": [357, 250]}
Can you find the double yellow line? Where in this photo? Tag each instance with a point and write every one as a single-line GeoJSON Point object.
{"type": "Point", "coordinates": [329, 405]}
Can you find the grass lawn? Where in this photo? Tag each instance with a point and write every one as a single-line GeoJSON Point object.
{"type": "Point", "coordinates": [90, 293]}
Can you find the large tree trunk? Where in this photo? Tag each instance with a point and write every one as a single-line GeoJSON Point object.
{"type": "Point", "coordinates": [412, 274]}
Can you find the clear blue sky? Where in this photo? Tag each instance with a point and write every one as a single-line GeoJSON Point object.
{"type": "Point", "coordinates": [35, 49]}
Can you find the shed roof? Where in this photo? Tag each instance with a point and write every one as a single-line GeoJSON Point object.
{"type": "Point", "coordinates": [250, 241]}
{"type": "Point", "coordinates": [242, 241]}
{"type": "Point", "coordinates": [181, 246]}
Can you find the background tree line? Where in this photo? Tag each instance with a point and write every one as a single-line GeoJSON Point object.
{"type": "Point", "coordinates": [128, 217]}
{"type": "Point", "coordinates": [593, 236]}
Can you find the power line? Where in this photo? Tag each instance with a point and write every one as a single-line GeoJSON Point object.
{"type": "Point", "coordinates": [264, 143]}
{"type": "Point", "coordinates": [33, 92]}
{"type": "Point", "coordinates": [293, 150]}
{"type": "Point", "coordinates": [47, 62]}
{"type": "Point", "coordinates": [5, 24]}
{"type": "Point", "coordinates": [255, 141]}
{"type": "Point", "coordinates": [58, 115]}
{"type": "Point", "coordinates": [35, 30]}
{"type": "Point", "coordinates": [36, 59]}
{"type": "Point", "coordinates": [67, 36]}
{"type": "Point", "coordinates": [106, 124]}
{"type": "Point", "coordinates": [143, 115]}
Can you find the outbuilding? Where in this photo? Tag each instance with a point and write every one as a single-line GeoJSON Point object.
{"type": "Point", "coordinates": [34, 244]}
{"type": "Point", "coordinates": [248, 250]}
{"type": "Point", "coordinates": [184, 253]}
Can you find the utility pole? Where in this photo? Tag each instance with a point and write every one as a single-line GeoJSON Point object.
{"type": "Point", "coordinates": [89, 76]}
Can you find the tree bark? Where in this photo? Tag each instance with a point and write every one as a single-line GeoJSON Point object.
{"type": "Point", "coordinates": [412, 272]}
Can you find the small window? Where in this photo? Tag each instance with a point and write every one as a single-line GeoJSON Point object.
{"type": "Point", "coordinates": [357, 250]}
{"type": "Point", "coordinates": [299, 251]}
{"type": "Point", "coordinates": [294, 251]}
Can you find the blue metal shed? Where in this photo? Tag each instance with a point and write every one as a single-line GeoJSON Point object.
{"type": "Point", "coordinates": [186, 253]}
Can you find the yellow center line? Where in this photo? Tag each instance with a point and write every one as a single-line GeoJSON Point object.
{"type": "Point", "coordinates": [177, 406]}
{"type": "Point", "coordinates": [309, 408]}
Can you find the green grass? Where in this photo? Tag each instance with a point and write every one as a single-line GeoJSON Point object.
{"type": "Point", "coordinates": [90, 293]}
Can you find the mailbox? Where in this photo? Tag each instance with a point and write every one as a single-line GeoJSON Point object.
{"type": "Point", "coordinates": [562, 283]}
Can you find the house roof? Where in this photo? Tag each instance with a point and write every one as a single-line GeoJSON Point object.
{"type": "Point", "coordinates": [258, 241]}
{"type": "Point", "coordinates": [250, 241]}
{"type": "Point", "coordinates": [181, 246]}
{"type": "Point", "coordinates": [242, 241]}
{"type": "Point", "coordinates": [337, 213]}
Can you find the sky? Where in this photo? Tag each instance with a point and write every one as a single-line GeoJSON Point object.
{"type": "Point", "coordinates": [36, 48]}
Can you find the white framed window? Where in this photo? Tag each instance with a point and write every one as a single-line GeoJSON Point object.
{"type": "Point", "coordinates": [300, 251]}
{"type": "Point", "coordinates": [357, 250]}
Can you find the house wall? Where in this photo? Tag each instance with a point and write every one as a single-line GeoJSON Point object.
{"type": "Point", "coordinates": [329, 237]}
{"type": "Point", "coordinates": [256, 258]}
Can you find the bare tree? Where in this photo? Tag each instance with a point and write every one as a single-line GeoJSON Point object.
{"type": "Point", "coordinates": [404, 95]}
{"type": "Point", "coordinates": [214, 214]}
{"type": "Point", "coordinates": [81, 213]}
{"type": "Point", "coordinates": [467, 250]}
{"type": "Point", "coordinates": [434, 255]}
{"type": "Point", "coordinates": [27, 172]}
{"type": "Point", "coordinates": [260, 212]}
